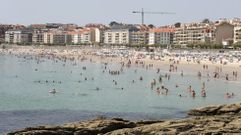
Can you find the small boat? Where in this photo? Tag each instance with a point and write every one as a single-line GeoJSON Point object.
{"type": "Point", "coordinates": [53, 91]}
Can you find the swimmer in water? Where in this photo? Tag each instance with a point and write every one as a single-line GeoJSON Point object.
{"type": "Point", "coordinates": [193, 93]}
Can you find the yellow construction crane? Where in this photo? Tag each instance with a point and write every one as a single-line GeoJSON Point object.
{"type": "Point", "coordinates": [142, 12]}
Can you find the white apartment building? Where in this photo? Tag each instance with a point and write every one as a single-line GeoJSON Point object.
{"type": "Point", "coordinates": [237, 34]}
{"type": "Point", "coordinates": [97, 32]}
{"type": "Point", "coordinates": [98, 35]}
{"type": "Point", "coordinates": [9, 36]}
{"type": "Point", "coordinates": [161, 36]}
{"type": "Point", "coordinates": [18, 36]}
{"type": "Point", "coordinates": [119, 34]}
{"type": "Point", "coordinates": [86, 36]}
{"type": "Point", "coordinates": [76, 38]}
{"type": "Point", "coordinates": [55, 37]}
{"type": "Point", "coordinates": [139, 37]}
{"type": "Point", "coordinates": [38, 37]}
{"type": "Point", "coordinates": [83, 36]}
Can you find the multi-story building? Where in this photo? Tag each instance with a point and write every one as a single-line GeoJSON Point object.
{"type": "Point", "coordinates": [117, 37]}
{"type": "Point", "coordinates": [83, 36]}
{"type": "Point", "coordinates": [3, 29]}
{"type": "Point", "coordinates": [99, 35]}
{"type": "Point", "coordinates": [57, 37]}
{"type": "Point", "coordinates": [237, 34]}
{"type": "Point", "coordinates": [99, 30]}
{"type": "Point", "coordinates": [75, 37]}
{"type": "Point", "coordinates": [119, 34]}
{"type": "Point", "coordinates": [194, 33]}
{"type": "Point", "coordinates": [224, 33]}
{"type": "Point", "coordinates": [161, 36]}
{"type": "Point", "coordinates": [139, 37]}
{"type": "Point", "coordinates": [18, 36]}
{"type": "Point", "coordinates": [87, 36]}
{"type": "Point", "coordinates": [9, 36]}
{"type": "Point", "coordinates": [38, 36]}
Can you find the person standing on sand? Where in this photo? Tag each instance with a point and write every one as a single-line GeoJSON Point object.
{"type": "Point", "coordinates": [227, 77]}
{"type": "Point", "coordinates": [199, 74]}
{"type": "Point", "coordinates": [158, 70]}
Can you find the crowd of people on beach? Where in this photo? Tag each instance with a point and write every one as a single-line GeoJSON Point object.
{"type": "Point", "coordinates": [133, 58]}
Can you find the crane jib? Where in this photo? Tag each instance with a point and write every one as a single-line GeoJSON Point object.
{"type": "Point", "coordinates": [142, 12]}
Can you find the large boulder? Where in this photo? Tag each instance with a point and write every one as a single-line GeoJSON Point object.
{"type": "Point", "coordinates": [216, 110]}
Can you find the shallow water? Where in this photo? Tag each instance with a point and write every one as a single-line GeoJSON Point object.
{"type": "Point", "coordinates": [25, 101]}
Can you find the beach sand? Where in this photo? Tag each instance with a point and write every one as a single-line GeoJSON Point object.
{"type": "Point", "coordinates": [89, 53]}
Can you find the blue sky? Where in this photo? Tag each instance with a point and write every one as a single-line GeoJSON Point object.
{"type": "Point", "coordinates": [104, 11]}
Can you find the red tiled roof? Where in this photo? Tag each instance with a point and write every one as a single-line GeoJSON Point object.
{"type": "Point", "coordinates": [158, 30]}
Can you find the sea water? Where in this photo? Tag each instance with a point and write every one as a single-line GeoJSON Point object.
{"type": "Point", "coordinates": [25, 99]}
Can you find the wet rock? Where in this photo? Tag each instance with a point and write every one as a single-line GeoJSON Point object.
{"type": "Point", "coordinates": [211, 110]}
{"type": "Point", "coordinates": [230, 109]}
{"type": "Point", "coordinates": [235, 124]}
{"type": "Point", "coordinates": [216, 110]}
{"type": "Point", "coordinates": [93, 127]}
{"type": "Point", "coordinates": [212, 120]}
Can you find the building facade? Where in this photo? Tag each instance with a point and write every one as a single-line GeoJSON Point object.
{"type": "Point", "coordinates": [224, 33]}
{"type": "Point", "coordinates": [57, 37]}
{"type": "Point", "coordinates": [38, 37]}
{"type": "Point", "coordinates": [119, 34]}
{"type": "Point", "coordinates": [237, 34]}
{"type": "Point", "coordinates": [83, 36]}
{"type": "Point", "coordinates": [99, 30]}
{"type": "Point", "coordinates": [18, 36]}
{"type": "Point", "coordinates": [194, 34]}
{"type": "Point", "coordinates": [139, 37]}
{"type": "Point", "coordinates": [161, 36]}
{"type": "Point", "coordinates": [3, 29]}
{"type": "Point", "coordinates": [87, 36]}
{"type": "Point", "coordinates": [76, 37]}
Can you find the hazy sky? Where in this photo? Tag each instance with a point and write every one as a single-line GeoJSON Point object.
{"type": "Point", "coordinates": [104, 11]}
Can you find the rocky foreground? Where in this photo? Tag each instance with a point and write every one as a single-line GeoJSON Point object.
{"type": "Point", "coordinates": [223, 119]}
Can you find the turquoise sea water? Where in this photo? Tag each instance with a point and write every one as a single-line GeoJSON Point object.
{"type": "Point", "coordinates": [25, 97]}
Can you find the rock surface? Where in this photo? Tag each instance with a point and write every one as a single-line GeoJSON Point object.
{"type": "Point", "coordinates": [223, 119]}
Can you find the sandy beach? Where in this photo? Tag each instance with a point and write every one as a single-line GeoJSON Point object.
{"type": "Point", "coordinates": [196, 63]}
